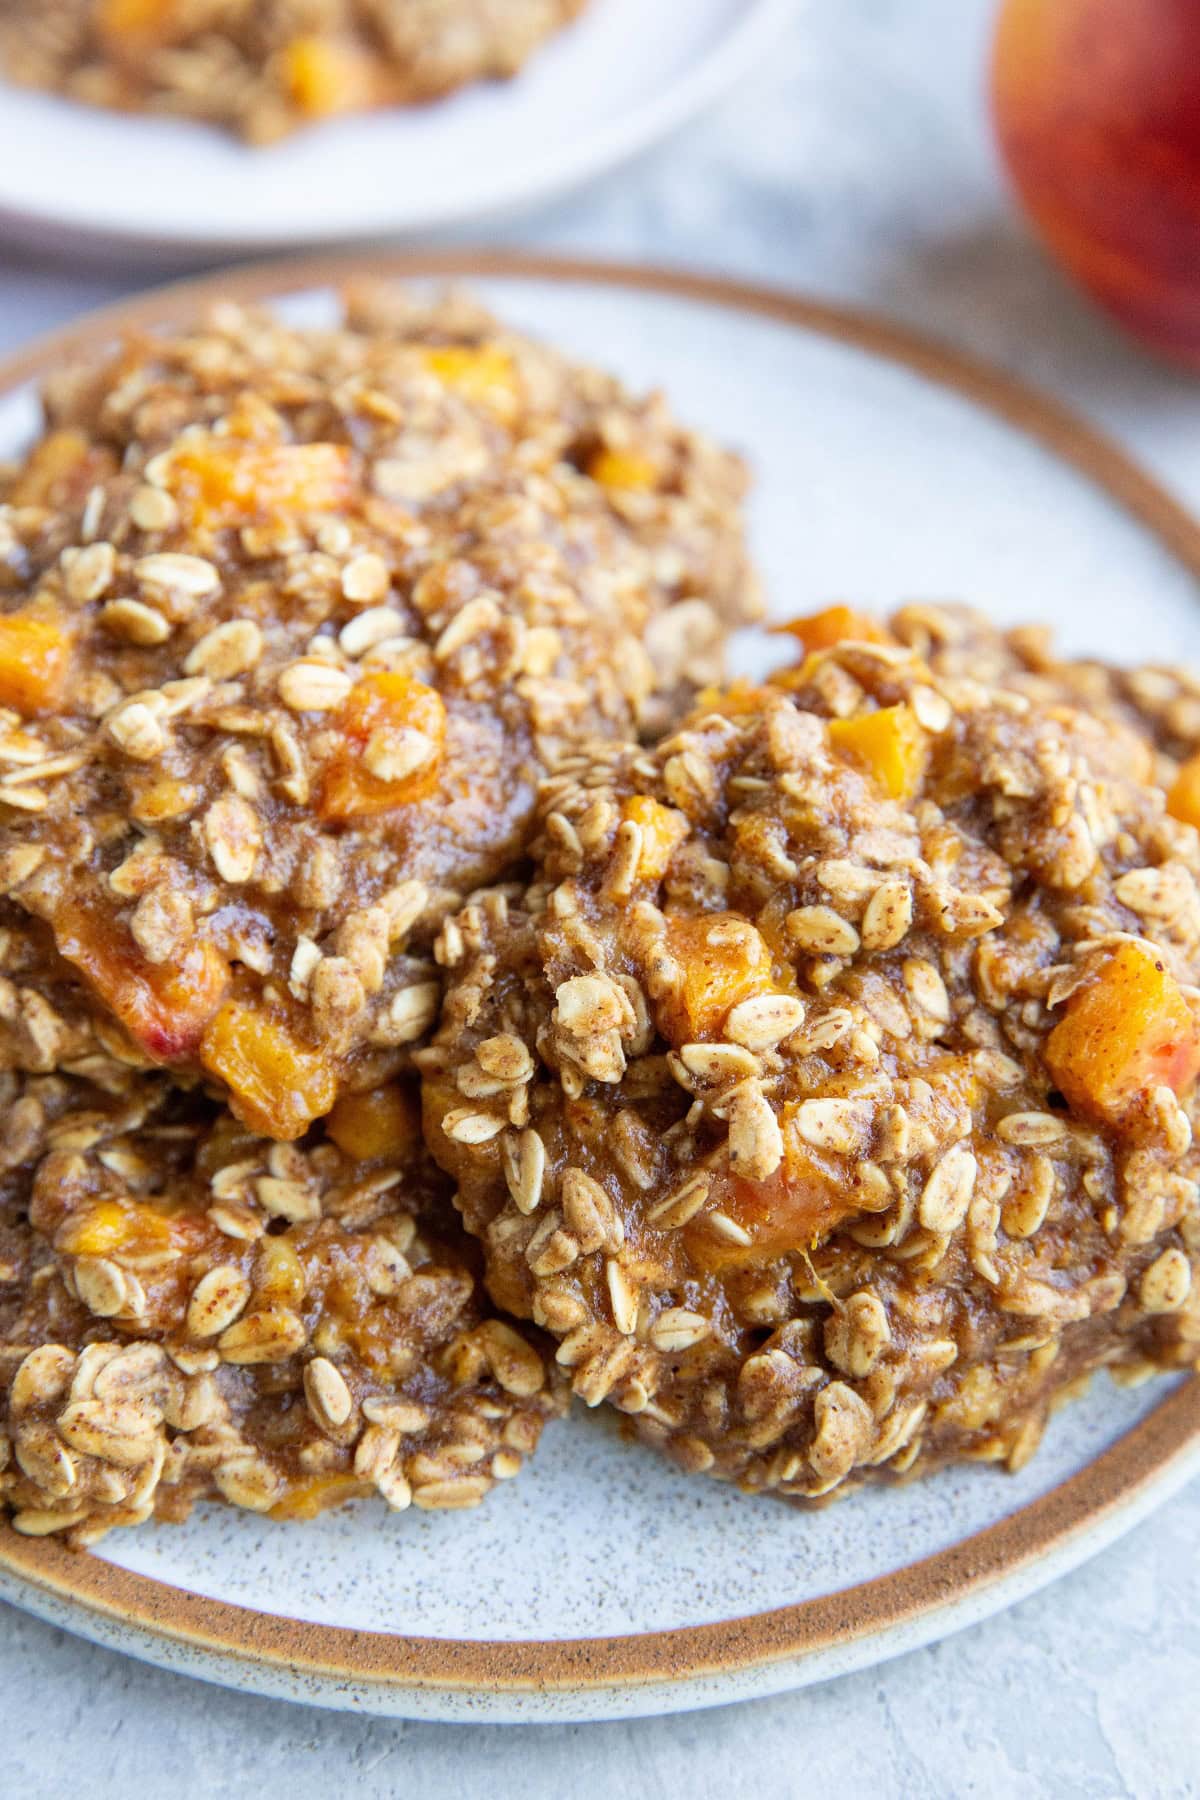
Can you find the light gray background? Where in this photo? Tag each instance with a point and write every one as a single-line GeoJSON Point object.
{"type": "Point", "coordinates": [856, 164]}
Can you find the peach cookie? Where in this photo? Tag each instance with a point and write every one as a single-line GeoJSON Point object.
{"type": "Point", "coordinates": [264, 68]}
{"type": "Point", "coordinates": [830, 1099]}
{"type": "Point", "coordinates": [291, 623]}
{"type": "Point", "coordinates": [189, 1311]}
{"type": "Point", "coordinates": [1160, 701]}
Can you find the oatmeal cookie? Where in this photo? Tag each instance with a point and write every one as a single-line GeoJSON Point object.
{"type": "Point", "coordinates": [1158, 703]}
{"type": "Point", "coordinates": [1163, 703]}
{"type": "Point", "coordinates": [189, 1311]}
{"type": "Point", "coordinates": [291, 623]}
{"type": "Point", "coordinates": [264, 68]}
{"type": "Point", "coordinates": [830, 1096]}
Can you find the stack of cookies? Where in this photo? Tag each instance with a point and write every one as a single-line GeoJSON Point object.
{"type": "Point", "coordinates": [425, 992]}
{"type": "Point", "coordinates": [295, 624]}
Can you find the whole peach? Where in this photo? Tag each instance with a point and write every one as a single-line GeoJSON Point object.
{"type": "Point", "coordinates": [1097, 106]}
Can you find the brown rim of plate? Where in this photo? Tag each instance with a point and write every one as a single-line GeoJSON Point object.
{"type": "Point", "coordinates": [1110, 1485]}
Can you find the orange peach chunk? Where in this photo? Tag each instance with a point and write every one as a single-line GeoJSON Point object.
{"type": "Point", "coordinates": [278, 1085]}
{"type": "Point", "coordinates": [101, 1228]}
{"type": "Point", "coordinates": [482, 373]}
{"type": "Point", "coordinates": [279, 1274]}
{"type": "Point", "coordinates": [626, 471]}
{"type": "Point", "coordinates": [146, 21]}
{"type": "Point", "coordinates": [323, 77]}
{"type": "Point", "coordinates": [663, 830]}
{"type": "Point", "coordinates": [807, 1198]}
{"type": "Point", "coordinates": [393, 735]}
{"type": "Point", "coordinates": [383, 1122]}
{"type": "Point", "coordinates": [889, 744]}
{"type": "Point", "coordinates": [308, 1498]}
{"type": "Point", "coordinates": [723, 961]}
{"type": "Point", "coordinates": [163, 1006]}
{"type": "Point", "coordinates": [110, 1225]}
{"type": "Point", "coordinates": [1126, 1031]}
{"type": "Point", "coordinates": [226, 482]}
{"type": "Point", "coordinates": [34, 658]}
{"type": "Point", "coordinates": [55, 470]}
{"type": "Point", "coordinates": [831, 626]}
{"type": "Point", "coordinates": [1183, 796]}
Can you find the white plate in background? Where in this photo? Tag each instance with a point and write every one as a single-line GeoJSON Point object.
{"type": "Point", "coordinates": [608, 85]}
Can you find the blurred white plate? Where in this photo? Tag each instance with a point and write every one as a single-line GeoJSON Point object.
{"type": "Point", "coordinates": [602, 1583]}
{"type": "Point", "coordinates": [623, 75]}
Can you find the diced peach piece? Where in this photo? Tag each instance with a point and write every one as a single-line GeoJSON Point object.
{"type": "Point", "coordinates": [110, 1225]}
{"type": "Point", "coordinates": [1127, 1030]}
{"type": "Point", "coordinates": [625, 471]}
{"type": "Point", "coordinates": [101, 1228]}
{"type": "Point", "coordinates": [323, 76]}
{"type": "Point", "coordinates": [383, 1122]}
{"type": "Point", "coordinates": [393, 734]}
{"type": "Point", "coordinates": [724, 960]}
{"type": "Point", "coordinates": [227, 482]}
{"type": "Point", "coordinates": [52, 470]}
{"type": "Point", "coordinates": [1183, 796]}
{"type": "Point", "coordinates": [35, 655]}
{"type": "Point", "coordinates": [482, 373]}
{"type": "Point", "coordinates": [831, 626]}
{"type": "Point", "coordinates": [663, 830]}
{"type": "Point", "coordinates": [163, 1006]}
{"type": "Point", "coordinates": [145, 21]}
{"type": "Point", "coordinates": [372, 1335]}
{"type": "Point", "coordinates": [794, 1209]}
{"type": "Point", "coordinates": [740, 699]}
{"type": "Point", "coordinates": [954, 1087]}
{"type": "Point", "coordinates": [308, 1498]}
{"type": "Point", "coordinates": [277, 1084]}
{"type": "Point", "coordinates": [889, 744]}
{"type": "Point", "coordinates": [508, 1287]}
{"type": "Point", "coordinates": [279, 1273]}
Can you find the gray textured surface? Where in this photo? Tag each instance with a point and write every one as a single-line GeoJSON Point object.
{"type": "Point", "coordinates": [1089, 1689]}
{"type": "Point", "coordinates": [857, 164]}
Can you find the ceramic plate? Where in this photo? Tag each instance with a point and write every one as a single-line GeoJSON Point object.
{"type": "Point", "coordinates": [607, 86]}
{"type": "Point", "coordinates": [602, 1583]}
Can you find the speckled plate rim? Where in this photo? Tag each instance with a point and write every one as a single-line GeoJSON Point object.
{"type": "Point", "coordinates": [858, 1624]}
